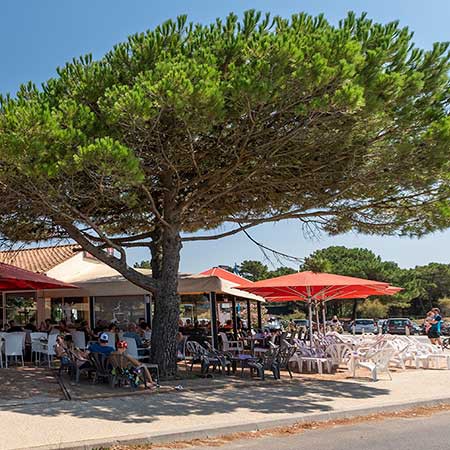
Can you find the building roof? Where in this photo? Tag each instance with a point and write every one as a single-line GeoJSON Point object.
{"type": "Point", "coordinates": [40, 259]}
{"type": "Point", "coordinates": [226, 275]}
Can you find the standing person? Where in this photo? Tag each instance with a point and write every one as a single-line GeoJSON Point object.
{"type": "Point", "coordinates": [434, 333]}
{"type": "Point", "coordinates": [428, 322]}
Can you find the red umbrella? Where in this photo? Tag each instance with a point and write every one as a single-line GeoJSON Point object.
{"type": "Point", "coordinates": [14, 279]}
{"type": "Point", "coordinates": [316, 287]}
{"type": "Point", "coordinates": [357, 292]}
{"type": "Point", "coordinates": [309, 286]}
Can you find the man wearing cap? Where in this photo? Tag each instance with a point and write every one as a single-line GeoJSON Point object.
{"type": "Point", "coordinates": [102, 345]}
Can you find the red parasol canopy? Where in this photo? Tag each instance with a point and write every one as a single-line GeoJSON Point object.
{"type": "Point", "coordinates": [309, 286]}
{"type": "Point", "coordinates": [360, 292]}
{"type": "Point", "coordinates": [14, 279]}
{"type": "Point", "coordinates": [225, 275]}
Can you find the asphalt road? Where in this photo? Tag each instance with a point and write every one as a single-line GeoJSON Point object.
{"type": "Point", "coordinates": [416, 433]}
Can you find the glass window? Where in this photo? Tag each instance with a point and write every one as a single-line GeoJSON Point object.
{"type": "Point", "coordinates": [120, 309]}
{"type": "Point", "coordinates": [20, 307]}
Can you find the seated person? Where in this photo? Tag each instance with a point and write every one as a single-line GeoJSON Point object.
{"type": "Point", "coordinates": [132, 333]}
{"type": "Point", "coordinates": [64, 346]}
{"type": "Point", "coordinates": [46, 326]}
{"type": "Point", "coordinates": [121, 350]}
{"type": "Point", "coordinates": [112, 328]}
{"type": "Point", "coordinates": [102, 346]}
{"type": "Point", "coordinates": [144, 330]}
{"type": "Point", "coordinates": [62, 326]}
{"type": "Point", "coordinates": [13, 328]}
{"type": "Point", "coordinates": [84, 327]}
{"type": "Point", "coordinates": [228, 325]}
{"type": "Point", "coordinates": [31, 325]}
{"type": "Point", "coordinates": [100, 326]}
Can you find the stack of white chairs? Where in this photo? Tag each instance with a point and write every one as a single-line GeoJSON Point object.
{"type": "Point", "coordinates": [312, 357]}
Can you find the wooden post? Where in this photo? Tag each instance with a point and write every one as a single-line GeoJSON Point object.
{"type": "Point", "coordinates": [249, 317]}
{"type": "Point", "coordinates": [234, 317]}
{"type": "Point", "coordinates": [258, 306]}
{"type": "Point", "coordinates": [214, 330]}
{"type": "Point", "coordinates": [148, 309]}
{"type": "Point", "coordinates": [92, 312]}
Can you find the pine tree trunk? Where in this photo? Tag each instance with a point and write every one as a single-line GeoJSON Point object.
{"type": "Point", "coordinates": [165, 263]}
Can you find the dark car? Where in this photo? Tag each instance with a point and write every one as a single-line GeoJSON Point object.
{"type": "Point", "coordinates": [445, 328]}
{"type": "Point", "coordinates": [400, 326]}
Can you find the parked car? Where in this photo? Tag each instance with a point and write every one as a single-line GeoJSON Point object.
{"type": "Point", "coordinates": [360, 326]}
{"type": "Point", "coordinates": [301, 322]}
{"type": "Point", "coordinates": [399, 325]}
{"type": "Point", "coordinates": [445, 328]}
{"type": "Point", "coordinates": [273, 324]}
{"type": "Point", "coordinates": [304, 323]}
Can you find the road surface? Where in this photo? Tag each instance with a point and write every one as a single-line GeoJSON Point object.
{"type": "Point", "coordinates": [416, 433]}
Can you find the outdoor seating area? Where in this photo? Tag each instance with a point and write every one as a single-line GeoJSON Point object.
{"type": "Point", "coordinates": [367, 355]}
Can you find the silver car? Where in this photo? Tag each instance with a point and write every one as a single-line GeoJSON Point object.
{"type": "Point", "coordinates": [360, 326]}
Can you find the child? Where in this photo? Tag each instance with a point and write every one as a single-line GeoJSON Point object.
{"type": "Point", "coordinates": [428, 321]}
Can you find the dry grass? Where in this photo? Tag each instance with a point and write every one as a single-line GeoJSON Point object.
{"type": "Point", "coordinates": [292, 429]}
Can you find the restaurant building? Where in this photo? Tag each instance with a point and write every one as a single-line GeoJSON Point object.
{"type": "Point", "coordinates": [104, 294]}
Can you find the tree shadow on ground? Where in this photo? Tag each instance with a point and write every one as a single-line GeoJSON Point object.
{"type": "Point", "coordinates": [264, 398]}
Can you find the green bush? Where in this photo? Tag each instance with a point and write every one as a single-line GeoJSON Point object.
{"type": "Point", "coordinates": [373, 309]}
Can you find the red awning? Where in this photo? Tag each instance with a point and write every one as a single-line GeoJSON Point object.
{"type": "Point", "coordinates": [14, 279]}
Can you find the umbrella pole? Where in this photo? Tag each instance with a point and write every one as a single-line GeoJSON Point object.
{"type": "Point", "coordinates": [317, 316]}
{"type": "Point", "coordinates": [310, 322]}
{"type": "Point", "coordinates": [324, 318]}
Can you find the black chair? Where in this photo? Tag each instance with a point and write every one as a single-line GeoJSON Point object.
{"type": "Point", "coordinates": [123, 372]}
{"type": "Point", "coordinates": [285, 354]}
{"type": "Point", "coordinates": [101, 366]}
{"type": "Point", "coordinates": [269, 361]}
{"type": "Point", "coordinates": [78, 366]}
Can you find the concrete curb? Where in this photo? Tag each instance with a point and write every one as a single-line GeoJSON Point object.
{"type": "Point", "coordinates": [203, 433]}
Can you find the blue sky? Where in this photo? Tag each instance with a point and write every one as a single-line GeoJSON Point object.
{"type": "Point", "coordinates": [38, 36]}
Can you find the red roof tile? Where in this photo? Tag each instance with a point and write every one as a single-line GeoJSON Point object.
{"type": "Point", "coordinates": [40, 259]}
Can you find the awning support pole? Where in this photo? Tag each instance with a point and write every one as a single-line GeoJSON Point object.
{"type": "Point", "coordinates": [249, 317]}
{"type": "Point", "coordinates": [234, 317]}
{"type": "Point", "coordinates": [324, 317]}
{"type": "Point", "coordinates": [258, 306]}
{"type": "Point", "coordinates": [214, 330]}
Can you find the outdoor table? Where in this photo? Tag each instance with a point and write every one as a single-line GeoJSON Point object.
{"type": "Point", "coordinates": [257, 338]}
{"type": "Point", "coordinates": [242, 361]}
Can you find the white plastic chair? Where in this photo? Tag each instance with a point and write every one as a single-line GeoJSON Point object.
{"type": "Point", "coordinates": [111, 339]}
{"type": "Point", "coordinates": [231, 346]}
{"type": "Point", "coordinates": [36, 344]}
{"type": "Point", "coordinates": [376, 363]}
{"type": "Point", "coordinates": [14, 343]}
{"type": "Point", "coordinates": [79, 339]}
{"type": "Point", "coordinates": [49, 350]}
{"type": "Point", "coordinates": [339, 354]}
{"type": "Point", "coordinates": [133, 349]}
